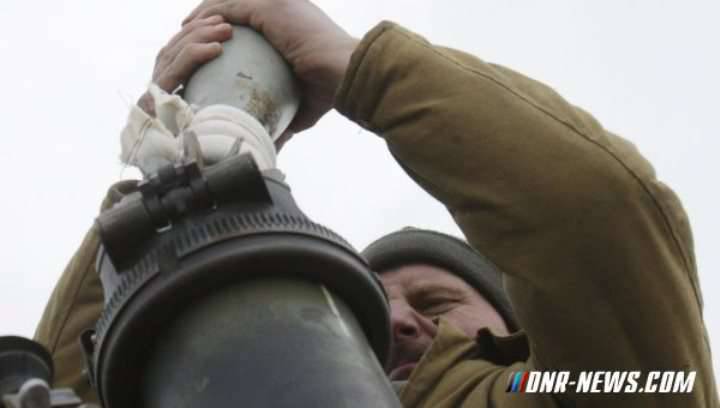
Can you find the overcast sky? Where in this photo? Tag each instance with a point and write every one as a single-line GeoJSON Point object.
{"type": "Point", "coordinates": [647, 70]}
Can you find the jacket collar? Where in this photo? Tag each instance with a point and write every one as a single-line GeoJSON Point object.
{"type": "Point", "coordinates": [451, 347]}
{"type": "Point", "coordinates": [502, 350]}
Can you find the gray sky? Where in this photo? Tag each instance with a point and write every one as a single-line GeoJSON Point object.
{"type": "Point", "coordinates": [646, 69]}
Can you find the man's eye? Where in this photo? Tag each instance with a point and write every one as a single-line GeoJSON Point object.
{"type": "Point", "coordinates": [436, 307]}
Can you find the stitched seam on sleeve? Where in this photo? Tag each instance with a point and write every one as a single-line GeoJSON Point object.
{"type": "Point", "coordinates": [658, 207]}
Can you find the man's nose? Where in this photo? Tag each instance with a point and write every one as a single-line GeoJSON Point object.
{"type": "Point", "coordinates": [404, 324]}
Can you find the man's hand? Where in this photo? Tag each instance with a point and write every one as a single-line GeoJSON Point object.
{"type": "Point", "coordinates": [317, 49]}
{"type": "Point", "coordinates": [197, 43]}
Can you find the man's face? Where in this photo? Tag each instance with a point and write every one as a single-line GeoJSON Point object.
{"type": "Point", "coordinates": [418, 295]}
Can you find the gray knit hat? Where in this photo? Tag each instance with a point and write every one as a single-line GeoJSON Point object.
{"type": "Point", "coordinates": [413, 245]}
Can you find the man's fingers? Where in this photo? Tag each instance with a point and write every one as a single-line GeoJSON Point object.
{"type": "Point", "coordinates": [196, 10]}
{"type": "Point", "coordinates": [203, 35]}
{"type": "Point", "coordinates": [202, 6]}
{"type": "Point", "coordinates": [233, 11]}
{"type": "Point", "coordinates": [147, 103]}
{"type": "Point", "coordinates": [168, 53]}
{"type": "Point", "coordinates": [168, 57]}
{"type": "Point", "coordinates": [187, 61]}
{"type": "Point", "coordinates": [194, 25]}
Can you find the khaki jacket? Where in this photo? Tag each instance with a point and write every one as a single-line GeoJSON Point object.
{"type": "Point", "coordinates": [597, 253]}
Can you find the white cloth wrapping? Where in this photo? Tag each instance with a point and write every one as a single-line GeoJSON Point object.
{"type": "Point", "coordinates": [221, 131]}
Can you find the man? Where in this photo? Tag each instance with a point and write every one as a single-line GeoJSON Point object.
{"type": "Point", "coordinates": [428, 275]}
{"type": "Point", "coordinates": [596, 253]}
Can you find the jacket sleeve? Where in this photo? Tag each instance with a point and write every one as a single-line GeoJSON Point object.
{"type": "Point", "coordinates": [597, 253]}
{"type": "Point", "coordinates": [75, 306]}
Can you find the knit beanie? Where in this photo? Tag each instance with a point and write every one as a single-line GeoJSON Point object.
{"type": "Point", "coordinates": [412, 245]}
